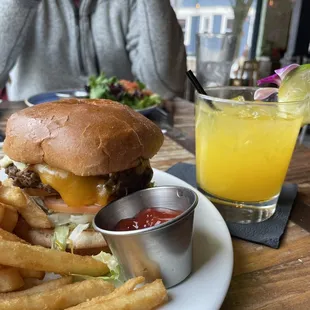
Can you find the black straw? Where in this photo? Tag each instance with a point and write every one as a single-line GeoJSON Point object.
{"type": "Point", "coordinates": [198, 87]}
{"type": "Point", "coordinates": [195, 82]}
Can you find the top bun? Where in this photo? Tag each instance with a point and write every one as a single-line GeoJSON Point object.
{"type": "Point", "coordinates": [84, 136]}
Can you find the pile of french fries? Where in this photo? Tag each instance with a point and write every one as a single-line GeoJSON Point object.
{"type": "Point", "coordinates": [24, 269]}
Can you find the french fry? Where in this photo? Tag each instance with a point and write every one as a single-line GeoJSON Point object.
{"type": "Point", "coordinates": [30, 282]}
{"type": "Point", "coordinates": [5, 206]}
{"type": "Point", "coordinates": [28, 273]}
{"type": "Point", "coordinates": [62, 298]}
{"type": "Point", "coordinates": [34, 215]}
{"type": "Point", "coordinates": [127, 287]}
{"type": "Point", "coordinates": [12, 196]}
{"type": "Point", "coordinates": [147, 297]}
{"type": "Point", "coordinates": [5, 235]}
{"type": "Point", "coordinates": [9, 220]}
{"type": "Point", "coordinates": [44, 287]}
{"type": "Point", "coordinates": [22, 255]}
{"type": "Point", "coordinates": [10, 280]}
{"type": "Point", "coordinates": [2, 211]}
{"type": "Point", "coordinates": [25, 273]}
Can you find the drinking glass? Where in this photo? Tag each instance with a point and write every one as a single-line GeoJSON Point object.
{"type": "Point", "coordinates": [215, 56]}
{"type": "Point", "coordinates": [243, 150]}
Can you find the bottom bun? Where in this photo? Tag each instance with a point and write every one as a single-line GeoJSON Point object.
{"type": "Point", "coordinates": [89, 242]}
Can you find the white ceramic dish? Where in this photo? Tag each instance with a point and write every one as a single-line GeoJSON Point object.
{"type": "Point", "coordinates": [206, 287]}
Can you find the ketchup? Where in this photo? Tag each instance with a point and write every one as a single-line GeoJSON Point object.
{"type": "Point", "coordinates": [147, 218]}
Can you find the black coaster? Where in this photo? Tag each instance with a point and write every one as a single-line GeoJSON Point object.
{"type": "Point", "coordinates": [268, 232]}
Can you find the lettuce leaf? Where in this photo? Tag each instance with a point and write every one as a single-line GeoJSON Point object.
{"type": "Point", "coordinates": [110, 88]}
{"type": "Point", "coordinates": [76, 232]}
{"type": "Point", "coordinates": [111, 262]}
{"type": "Point", "coordinates": [60, 237]}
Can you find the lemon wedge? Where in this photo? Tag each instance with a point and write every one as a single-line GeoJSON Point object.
{"type": "Point", "coordinates": [295, 87]}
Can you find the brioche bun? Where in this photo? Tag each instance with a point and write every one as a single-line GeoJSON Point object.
{"type": "Point", "coordinates": [83, 136]}
{"type": "Point", "coordinates": [89, 242]}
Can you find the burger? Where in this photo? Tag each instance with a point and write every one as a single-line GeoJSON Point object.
{"type": "Point", "coordinates": [73, 157]}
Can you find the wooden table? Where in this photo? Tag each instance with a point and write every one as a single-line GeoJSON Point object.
{"type": "Point", "coordinates": [263, 278]}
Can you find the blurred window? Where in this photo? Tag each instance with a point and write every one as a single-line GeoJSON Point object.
{"type": "Point", "coordinates": [197, 16]}
{"type": "Point", "coordinates": [229, 24]}
{"type": "Point", "coordinates": [185, 24]}
{"type": "Point", "coordinates": [206, 24]}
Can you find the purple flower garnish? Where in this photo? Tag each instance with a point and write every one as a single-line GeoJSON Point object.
{"type": "Point", "coordinates": [272, 79]}
{"type": "Point", "coordinates": [264, 93]}
{"type": "Point", "coordinates": [284, 71]}
{"type": "Point", "coordinates": [276, 79]}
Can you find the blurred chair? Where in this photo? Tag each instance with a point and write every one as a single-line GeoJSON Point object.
{"type": "Point", "coordinates": [246, 74]}
{"type": "Point", "coordinates": [250, 72]}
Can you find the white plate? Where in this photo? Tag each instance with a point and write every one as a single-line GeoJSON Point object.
{"type": "Point", "coordinates": [207, 286]}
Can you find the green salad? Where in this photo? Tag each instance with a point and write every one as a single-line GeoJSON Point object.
{"type": "Point", "coordinates": [133, 94]}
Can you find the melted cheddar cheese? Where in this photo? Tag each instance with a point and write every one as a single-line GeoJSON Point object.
{"type": "Point", "coordinates": [76, 191]}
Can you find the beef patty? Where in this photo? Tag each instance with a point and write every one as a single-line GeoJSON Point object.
{"type": "Point", "coordinates": [119, 183]}
{"type": "Point", "coordinates": [27, 179]}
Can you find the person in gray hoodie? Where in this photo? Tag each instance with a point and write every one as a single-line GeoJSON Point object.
{"type": "Point", "coordinates": [57, 44]}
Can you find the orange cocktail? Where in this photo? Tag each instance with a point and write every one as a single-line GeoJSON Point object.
{"type": "Point", "coordinates": [243, 149]}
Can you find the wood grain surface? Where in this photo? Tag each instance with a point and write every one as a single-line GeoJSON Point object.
{"type": "Point", "coordinates": [263, 278]}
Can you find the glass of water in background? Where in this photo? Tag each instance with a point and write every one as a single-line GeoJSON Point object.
{"type": "Point", "coordinates": [215, 56]}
